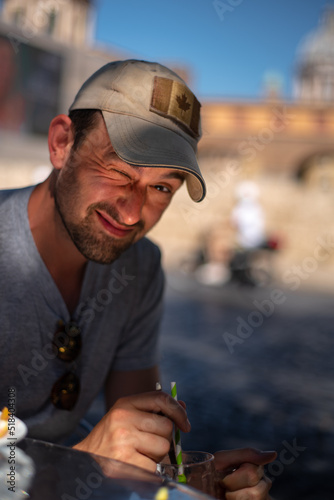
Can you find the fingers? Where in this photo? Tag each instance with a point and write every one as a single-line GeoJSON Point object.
{"type": "Point", "coordinates": [258, 492]}
{"type": "Point", "coordinates": [247, 475]}
{"type": "Point", "coordinates": [158, 402]}
{"type": "Point", "coordinates": [248, 481]}
{"type": "Point", "coordinates": [146, 422]}
{"type": "Point", "coordinates": [227, 459]}
{"type": "Point", "coordinates": [153, 446]}
{"type": "Point", "coordinates": [123, 436]}
{"type": "Point", "coordinates": [183, 404]}
{"type": "Point", "coordinates": [151, 416]}
{"type": "Point", "coordinates": [137, 429]}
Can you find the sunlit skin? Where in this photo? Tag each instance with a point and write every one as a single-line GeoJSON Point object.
{"type": "Point", "coordinates": [107, 204]}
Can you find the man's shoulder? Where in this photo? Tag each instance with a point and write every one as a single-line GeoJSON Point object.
{"type": "Point", "coordinates": [147, 246]}
{"type": "Point", "coordinates": [11, 195]}
{"type": "Point", "coordinates": [145, 253]}
{"type": "Point", "coordinates": [143, 259]}
{"type": "Point", "coordinates": [6, 194]}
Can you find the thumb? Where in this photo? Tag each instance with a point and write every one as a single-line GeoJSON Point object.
{"type": "Point", "coordinates": [234, 458]}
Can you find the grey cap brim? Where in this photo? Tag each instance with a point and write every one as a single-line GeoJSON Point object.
{"type": "Point", "coordinates": [140, 142]}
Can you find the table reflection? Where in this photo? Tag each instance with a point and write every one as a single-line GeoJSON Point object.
{"type": "Point", "coordinates": [66, 474]}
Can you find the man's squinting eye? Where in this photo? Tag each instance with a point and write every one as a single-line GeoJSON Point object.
{"type": "Point", "coordinates": [118, 174]}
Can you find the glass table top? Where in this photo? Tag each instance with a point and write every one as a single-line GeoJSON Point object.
{"type": "Point", "coordinates": [61, 473]}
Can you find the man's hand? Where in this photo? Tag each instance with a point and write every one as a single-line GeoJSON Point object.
{"type": "Point", "coordinates": [248, 479]}
{"type": "Point", "coordinates": [133, 432]}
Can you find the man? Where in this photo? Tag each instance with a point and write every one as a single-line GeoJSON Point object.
{"type": "Point", "coordinates": [82, 287]}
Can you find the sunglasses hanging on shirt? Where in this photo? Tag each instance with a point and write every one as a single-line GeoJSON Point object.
{"type": "Point", "coordinates": [67, 345]}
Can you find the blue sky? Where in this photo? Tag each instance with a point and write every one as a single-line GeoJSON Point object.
{"type": "Point", "coordinates": [229, 45]}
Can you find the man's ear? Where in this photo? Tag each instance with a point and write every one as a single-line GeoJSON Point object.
{"type": "Point", "coordinates": [60, 140]}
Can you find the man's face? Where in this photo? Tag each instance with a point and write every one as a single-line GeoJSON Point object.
{"type": "Point", "coordinates": [106, 204]}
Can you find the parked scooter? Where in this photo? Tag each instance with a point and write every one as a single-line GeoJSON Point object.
{"type": "Point", "coordinates": [253, 267]}
{"type": "Point", "coordinates": [245, 267]}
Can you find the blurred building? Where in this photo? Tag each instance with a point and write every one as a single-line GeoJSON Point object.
{"type": "Point", "coordinates": [68, 22]}
{"type": "Point", "coordinates": [286, 147]}
{"type": "Point", "coordinates": [315, 64]}
{"type": "Point", "coordinates": [284, 138]}
{"type": "Point", "coordinates": [46, 52]}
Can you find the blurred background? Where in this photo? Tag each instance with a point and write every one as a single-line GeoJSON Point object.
{"type": "Point", "coordinates": [264, 73]}
{"type": "Point", "coordinates": [248, 321]}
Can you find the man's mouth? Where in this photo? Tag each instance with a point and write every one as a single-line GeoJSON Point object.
{"type": "Point", "coordinates": [111, 226]}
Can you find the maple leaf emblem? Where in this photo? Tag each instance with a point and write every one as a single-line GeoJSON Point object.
{"type": "Point", "coordinates": [182, 102]}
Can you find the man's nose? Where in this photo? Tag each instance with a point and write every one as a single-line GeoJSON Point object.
{"type": "Point", "coordinates": [130, 205]}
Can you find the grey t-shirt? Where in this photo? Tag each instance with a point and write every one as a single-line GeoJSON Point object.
{"type": "Point", "coordinates": [118, 313]}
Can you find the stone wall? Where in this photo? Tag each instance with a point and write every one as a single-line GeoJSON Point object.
{"type": "Point", "coordinates": [299, 215]}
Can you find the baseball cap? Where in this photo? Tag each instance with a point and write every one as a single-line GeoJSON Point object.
{"type": "Point", "coordinates": [152, 117]}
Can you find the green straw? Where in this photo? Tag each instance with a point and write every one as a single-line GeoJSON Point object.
{"type": "Point", "coordinates": [177, 439]}
{"type": "Point", "coordinates": [171, 452]}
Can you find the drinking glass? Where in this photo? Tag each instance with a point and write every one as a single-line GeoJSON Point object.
{"type": "Point", "coordinates": [197, 470]}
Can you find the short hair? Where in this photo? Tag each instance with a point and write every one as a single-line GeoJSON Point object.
{"type": "Point", "coordinates": [83, 121]}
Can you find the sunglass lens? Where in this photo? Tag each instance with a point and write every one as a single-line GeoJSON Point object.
{"type": "Point", "coordinates": [65, 391]}
{"type": "Point", "coordinates": [67, 342]}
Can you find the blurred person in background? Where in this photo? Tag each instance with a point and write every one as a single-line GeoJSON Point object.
{"type": "Point", "coordinates": [248, 217]}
